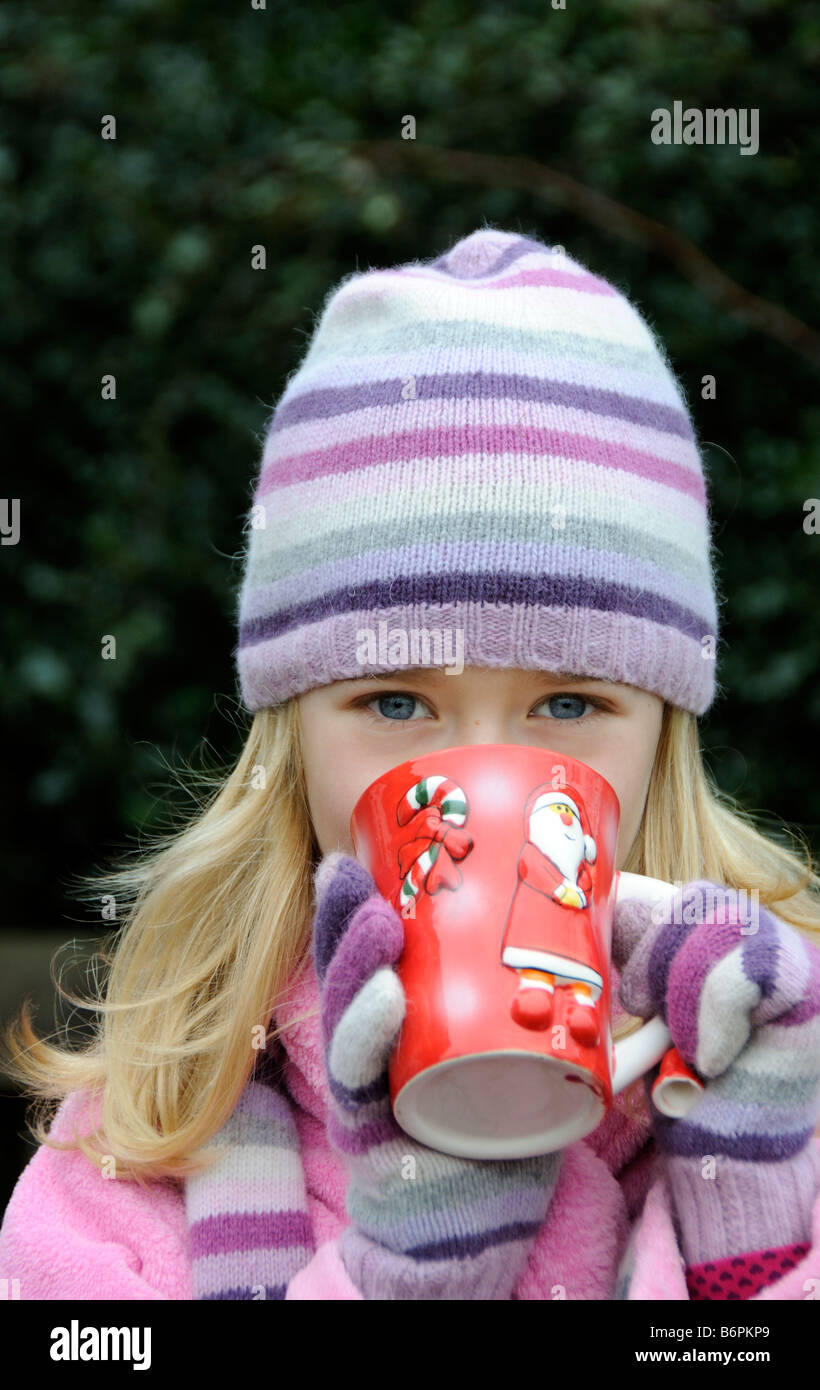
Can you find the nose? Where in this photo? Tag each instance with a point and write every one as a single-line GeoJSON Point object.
{"type": "Point", "coordinates": [478, 733]}
{"type": "Point", "coordinates": [566, 817]}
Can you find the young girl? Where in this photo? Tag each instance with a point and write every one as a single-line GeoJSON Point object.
{"type": "Point", "coordinates": [491, 446]}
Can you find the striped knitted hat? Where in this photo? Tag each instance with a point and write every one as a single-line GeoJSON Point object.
{"type": "Point", "coordinates": [487, 452]}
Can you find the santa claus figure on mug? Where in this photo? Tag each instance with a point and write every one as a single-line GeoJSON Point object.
{"type": "Point", "coordinates": [555, 948]}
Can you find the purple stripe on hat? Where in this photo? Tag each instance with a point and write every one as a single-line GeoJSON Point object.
{"type": "Point", "coordinates": [406, 445]}
{"type": "Point", "coordinates": [515, 589]}
{"type": "Point", "coordinates": [512, 360]}
{"type": "Point", "coordinates": [218, 1235]}
{"type": "Point", "coordinates": [295, 582]}
{"type": "Point", "coordinates": [521, 246]}
{"type": "Point", "coordinates": [324, 403]}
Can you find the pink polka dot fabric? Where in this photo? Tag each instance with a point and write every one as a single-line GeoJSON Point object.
{"type": "Point", "coordinates": [742, 1276]}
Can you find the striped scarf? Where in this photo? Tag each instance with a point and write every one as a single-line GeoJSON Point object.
{"type": "Point", "coordinates": [250, 1229]}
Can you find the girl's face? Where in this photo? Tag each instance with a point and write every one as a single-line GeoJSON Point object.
{"type": "Point", "coordinates": [355, 730]}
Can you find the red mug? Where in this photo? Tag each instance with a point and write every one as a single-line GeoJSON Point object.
{"type": "Point", "coordinates": [500, 860]}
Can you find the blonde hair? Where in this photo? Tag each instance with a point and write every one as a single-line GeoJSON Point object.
{"type": "Point", "coordinates": [218, 924]}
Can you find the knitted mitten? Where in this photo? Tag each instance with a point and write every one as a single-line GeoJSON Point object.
{"type": "Point", "coordinates": [739, 991]}
{"type": "Point", "coordinates": [425, 1225]}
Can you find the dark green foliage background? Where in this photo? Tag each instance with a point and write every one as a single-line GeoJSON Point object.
{"type": "Point", "coordinates": [235, 128]}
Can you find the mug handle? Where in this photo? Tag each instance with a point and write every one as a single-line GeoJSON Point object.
{"type": "Point", "coordinates": [677, 1088]}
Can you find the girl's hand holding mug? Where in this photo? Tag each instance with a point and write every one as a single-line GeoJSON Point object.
{"type": "Point", "coordinates": [739, 991]}
{"type": "Point", "coordinates": [426, 1225]}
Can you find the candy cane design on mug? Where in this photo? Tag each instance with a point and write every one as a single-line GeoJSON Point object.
{"type": "Point", "coordinates": [550, 950]}
{"type": "Point", "coordinates": [434, 809]}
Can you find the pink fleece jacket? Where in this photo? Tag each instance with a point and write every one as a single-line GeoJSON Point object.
{"type": "Point", "coordinates": [70, 1233]}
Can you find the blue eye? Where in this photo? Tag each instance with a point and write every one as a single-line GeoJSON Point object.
{"type": "Point", "coordinates": [397, 707]}
{"type": "Point", "coordinates": [566, 706]}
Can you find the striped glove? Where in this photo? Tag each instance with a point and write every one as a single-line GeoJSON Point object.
{"type": "Point", "coordinates": [425, 1225]}
{"type": "Point", "coordinates": [739, 991]}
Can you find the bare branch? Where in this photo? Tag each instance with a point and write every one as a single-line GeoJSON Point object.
{"type": "Point", "coordinates": [610, 217]}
